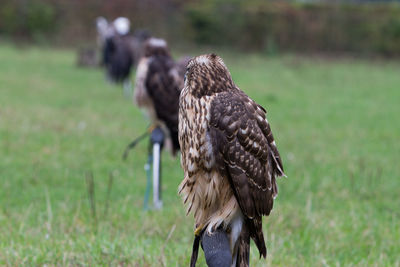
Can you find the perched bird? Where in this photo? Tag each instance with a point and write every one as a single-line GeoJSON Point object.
{"type": "Point", "coordinates": [116, 53]}
{"type": "Point", "coordinates": [117, 59]}
{"type": "Point", "coordinates": [157, 88]}
{"type": "Point", "coordinates": [229, 157]}
{"type": "Point", "coordinates": [120, 49]}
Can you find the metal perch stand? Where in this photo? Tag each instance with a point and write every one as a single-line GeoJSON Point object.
{"type": "Point", "coordinates": [153, 165]}
{"type": "Point", "coordinates": [157, 141]}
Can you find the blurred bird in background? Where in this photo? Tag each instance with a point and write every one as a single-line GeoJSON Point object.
{"type": "Point", "coordinates": [159, 80]}
{"type": "Point", "coordinates": [120, 49]}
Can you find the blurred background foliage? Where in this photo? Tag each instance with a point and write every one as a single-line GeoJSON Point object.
{"type": "Point", "coordinates": [301, 27]}
{"type": "Point", "coordinates": [27, 19]}
{"type": "Point", "coordinates": [356, 27]}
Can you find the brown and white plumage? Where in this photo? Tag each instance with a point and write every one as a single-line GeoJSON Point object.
{"type": "Point", "coordinates": [229, 156]}
{"type": "Point", "coordinates": [157, 88]}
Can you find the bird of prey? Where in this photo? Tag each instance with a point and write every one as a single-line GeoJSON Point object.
{"type": "Point", "coordinates": [229, 157]}
{"type": "Point", "coordinates": [157, 89]}
{"type": "Point", "coordinates": [120, 49]}
{"type": "Point", "coordinates": [116, 52]}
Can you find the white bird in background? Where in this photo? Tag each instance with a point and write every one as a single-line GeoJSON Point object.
{"type": "Point", "coordinates": [120, 49]}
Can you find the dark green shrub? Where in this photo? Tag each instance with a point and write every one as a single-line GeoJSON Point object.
{"type": "Point", "coordinates": [40, 17]}
{"type": "Point", "coordinates": [27, 18]}
{"type": "Point", "coordinates": [311, 27]}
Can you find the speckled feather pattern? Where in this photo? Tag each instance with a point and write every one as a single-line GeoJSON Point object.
{"type": "Point", "coordinates": [157, 89]}
{"type": "Point", "coordinates": [229, 155]}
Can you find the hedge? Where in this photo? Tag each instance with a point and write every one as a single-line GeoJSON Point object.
{"type": "Point", "coordinates": [312, 27]}
{"type": "Point", "coordinates": [259, 25]}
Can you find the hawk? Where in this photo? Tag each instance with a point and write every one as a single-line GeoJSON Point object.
{"type": "Point", "coordinates": [157, 89]}
{"type": "Point", "coordinates": [229, 157]}
{"type": "Point", "coordinates": [113, 38]}
{"type": "Point", "coordinates": [120, 49]}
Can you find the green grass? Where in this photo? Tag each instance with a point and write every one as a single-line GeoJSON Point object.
{"type": "Point", "coordinates": [337, 128]}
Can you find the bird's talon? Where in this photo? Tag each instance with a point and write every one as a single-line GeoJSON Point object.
{"type": "Point", "coordinates": [152, 127]}
{"type": "Point", "coordinates": [198, 230]}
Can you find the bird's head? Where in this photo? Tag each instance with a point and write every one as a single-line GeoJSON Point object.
{"type": "Point", "coordinates": [156, 47]}
{"type": "Point", "coordinates": [122, 25]}
{"type": "Point", "coordinates": [207, 74]}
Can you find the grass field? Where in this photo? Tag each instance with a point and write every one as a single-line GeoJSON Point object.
{"type": "Point", "coordinates": [337, 127]}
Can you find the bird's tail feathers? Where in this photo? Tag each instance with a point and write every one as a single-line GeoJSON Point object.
{"type": "Point", "coordinates": [255, 230]}
{"type": "Point", "coordinates": [243, 252]}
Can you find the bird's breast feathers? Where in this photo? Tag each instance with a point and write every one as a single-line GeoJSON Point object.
{"type": "Point", "coordinates": [194, 117]}
{"type": "Point", "coordinates": [141, 98]}
{"type": "Point", "coordinates": [204, 190]}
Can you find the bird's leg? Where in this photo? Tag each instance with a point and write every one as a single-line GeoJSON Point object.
{"type": "Point", "coordinates": [152, 127]}
{"type": "Point", "coordinates": [196, 241]}
{"type": "Point", "coordinates": [198, 230]}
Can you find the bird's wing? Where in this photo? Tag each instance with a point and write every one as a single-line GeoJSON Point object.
{"type": "Point", "coordinates": [164, 88]}
{"type": "Point", "coordinates": [246, 151]}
